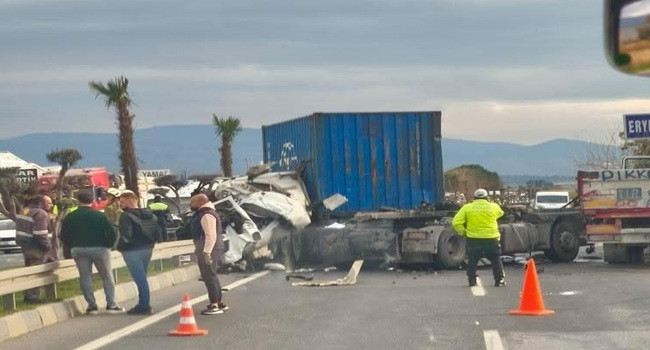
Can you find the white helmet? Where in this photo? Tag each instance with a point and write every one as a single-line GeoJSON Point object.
{"type": "Point", "coordinates": [480, 193]}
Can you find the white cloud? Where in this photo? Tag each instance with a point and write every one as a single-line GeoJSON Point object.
{"type": "Point", "coordinates": [532, 122]}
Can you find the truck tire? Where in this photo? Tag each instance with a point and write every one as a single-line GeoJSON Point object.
{"type": "Point", "coordinates": [296, 244]}
{"type": "Point", "coordinates": [565, 242]}
{"type": "Point", "coordinates": [451, 250]}
{"type": "Point", "coordinates": [635, 255]}
{"type": "Point", "coordinates": [616, 253]}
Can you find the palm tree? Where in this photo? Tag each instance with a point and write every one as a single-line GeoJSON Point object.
{"type": "Point", "coordinates": [115, 95]}
{"type": "Point", "coordinates": [227, 128]}
{"type": "Point", "coordinates": [66, 158]}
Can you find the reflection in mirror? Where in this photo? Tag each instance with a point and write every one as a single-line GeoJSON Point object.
{"type": "Point", "coordinates": [634, 38]}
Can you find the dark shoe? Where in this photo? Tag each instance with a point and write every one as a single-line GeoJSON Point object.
{"type": "Point", "coordinates": [223, 307]}
{"type": "Point", "coordinates": [115, 309]}
{"type": "Point", "coordinates": [212, 310]}
{"type": "Point", "coordinates": [499, 283]}
{"type": "Point", "coordinates": [140, 311]}
{"type": "Point", "coordinates": [92, 310]}
{"type": "Point", "coordinates": [472, 282]}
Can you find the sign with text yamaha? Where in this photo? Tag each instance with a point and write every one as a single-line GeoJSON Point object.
{"type": "Point", "coordinates": [637, 126]}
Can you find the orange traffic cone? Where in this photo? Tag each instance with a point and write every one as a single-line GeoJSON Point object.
{"type": "Point", "coordinates": [531, 303]}
{"type": "Point", "coordinates": [187, 323]}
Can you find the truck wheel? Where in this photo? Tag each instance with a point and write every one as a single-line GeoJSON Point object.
{"type": "Point", "coordinates": [635, 255]}
{"type": "Point", "coordinates": [451, 250]}
{"type": "Point", "coordinates": [296, 244]}
{"type": "Point", "coordinates": [565, 243]}
{"type": "Point", "coordinates": [617, 253]}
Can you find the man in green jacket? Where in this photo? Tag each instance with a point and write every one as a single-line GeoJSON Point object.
{"type": "Point", "coordinates": [91, 236]}
{"type": "Point", "coordinates": [477, 221]}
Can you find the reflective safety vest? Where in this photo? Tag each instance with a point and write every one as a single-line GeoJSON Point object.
{"type": "Point", "coordinates": [478, 219]}
{"type": "Point", "coordinates": [158, 206]}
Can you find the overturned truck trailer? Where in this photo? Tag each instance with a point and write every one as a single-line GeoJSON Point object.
{"type": "Point", "coordinates": [388, 166]}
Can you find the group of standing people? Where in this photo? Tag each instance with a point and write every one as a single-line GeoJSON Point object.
{"type": "Point", "coordinates": [88, 236]}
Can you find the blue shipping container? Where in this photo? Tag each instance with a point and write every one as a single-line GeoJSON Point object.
{"type": "Point", "coordinates": [377, 160]}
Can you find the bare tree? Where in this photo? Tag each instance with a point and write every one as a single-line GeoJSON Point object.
{"type": "Point", "coordinates": [205, 182]}
{"type": "Point", "coordinates": [604, 154]}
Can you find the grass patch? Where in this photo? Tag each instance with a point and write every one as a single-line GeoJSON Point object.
{"type": "Point", "coordinates": [71, 288]}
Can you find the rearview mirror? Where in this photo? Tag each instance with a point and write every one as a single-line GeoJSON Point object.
{"type": "Point", "coordinates": [627, 35]}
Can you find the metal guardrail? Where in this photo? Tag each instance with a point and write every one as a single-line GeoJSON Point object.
{"type": "Point", "coordinates": [48, 275]}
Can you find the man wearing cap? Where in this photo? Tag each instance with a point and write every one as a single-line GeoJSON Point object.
{"type": "Point", "coordinates": [477, 221]}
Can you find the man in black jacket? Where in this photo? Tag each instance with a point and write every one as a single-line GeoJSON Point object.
{"type": "Point", "coordinates": [139, 232]}
{"type": "Point", "coordinates": [90, 236]}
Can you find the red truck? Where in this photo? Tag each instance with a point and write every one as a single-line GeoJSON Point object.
{"type": "Point", "coordinates": [616, 209]}
{"type": "Point", "coordinates": [98, 179]}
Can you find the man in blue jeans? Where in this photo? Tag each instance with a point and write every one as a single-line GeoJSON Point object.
{"type": "Point", "coordinates": [139, 232]}
{"type": "Point", "coordinates": [90, 236]}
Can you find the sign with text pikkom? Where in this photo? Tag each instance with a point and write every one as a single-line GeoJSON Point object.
{"type": "Point", "coordinates": [637, 126]}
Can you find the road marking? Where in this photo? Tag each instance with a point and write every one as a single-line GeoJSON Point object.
{"type": "Point", "coordinates": [478, 290]}
{"type": "Point", "coordinates": [492, 340]}
{"type": "Point", "coordinates": [121, 333]}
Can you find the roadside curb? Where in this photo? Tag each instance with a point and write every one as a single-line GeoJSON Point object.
{"type": "Point", "coordinates": [23, 322]}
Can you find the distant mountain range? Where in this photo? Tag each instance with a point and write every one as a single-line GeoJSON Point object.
{"type": "Point", "coordinates": [194, 149]}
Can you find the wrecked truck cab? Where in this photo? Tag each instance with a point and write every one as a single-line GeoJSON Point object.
{"type": "Point", "coordinates": [558, 233]}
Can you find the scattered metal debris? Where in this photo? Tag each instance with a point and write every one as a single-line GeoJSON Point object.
{"type": "Point", "coordinates": [348, 280]}
{"type": "Point", "coordinates": [298, 276]}
{"type": "Point", "coordinates": [274, 267]}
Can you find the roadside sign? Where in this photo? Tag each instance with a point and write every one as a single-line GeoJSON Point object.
{"type": "Point", "coordinates": [637, 126]}
{"type": "Point", "coordinates": [27, 175]}
{"type": "Point", "coordinates": [154, 173]}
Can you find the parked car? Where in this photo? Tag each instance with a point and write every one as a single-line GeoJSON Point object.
{"type": "Point", "coordinates": [545, 200]}
{"type": "Point", "coordinates": [8, 236]}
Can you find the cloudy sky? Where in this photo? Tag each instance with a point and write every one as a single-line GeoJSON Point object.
{"type": "Point", "coordinates": [522, 71]}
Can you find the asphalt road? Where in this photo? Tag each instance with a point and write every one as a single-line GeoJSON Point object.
{"type": "Point", "coordinates": [598, 306]}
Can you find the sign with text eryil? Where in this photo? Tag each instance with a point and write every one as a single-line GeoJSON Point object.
{"type": "Point", "coordinates": [637, 126]}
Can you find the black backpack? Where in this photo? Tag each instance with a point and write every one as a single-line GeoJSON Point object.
{"type": "Point", "coordinates": [147, 228]}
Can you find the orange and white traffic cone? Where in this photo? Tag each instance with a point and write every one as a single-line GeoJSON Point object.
{"type": "Point", "coordinates": [187, 324]}
{"type": "Point", "coordinates": [531, 303]}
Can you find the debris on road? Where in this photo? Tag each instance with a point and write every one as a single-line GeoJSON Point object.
{"type": "Point", "coordinates": [336, 225]}
{"type": "Point", "coordinates": [348, 280]}
{"type": "Point", "coordinates": [274, 266]}
{"type": "Point", "coordinates": [298, 276]}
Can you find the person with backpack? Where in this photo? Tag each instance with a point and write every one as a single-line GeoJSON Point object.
{"type": "Point", "coordinates": [161, 210]}
{"type": "Point", "coordinates": [139, 232]}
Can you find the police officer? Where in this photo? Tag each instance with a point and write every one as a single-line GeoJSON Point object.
{"type": "Point", "coordinates": [161, 210]}
{"type": "Point", "coordinates": [477, 221]}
